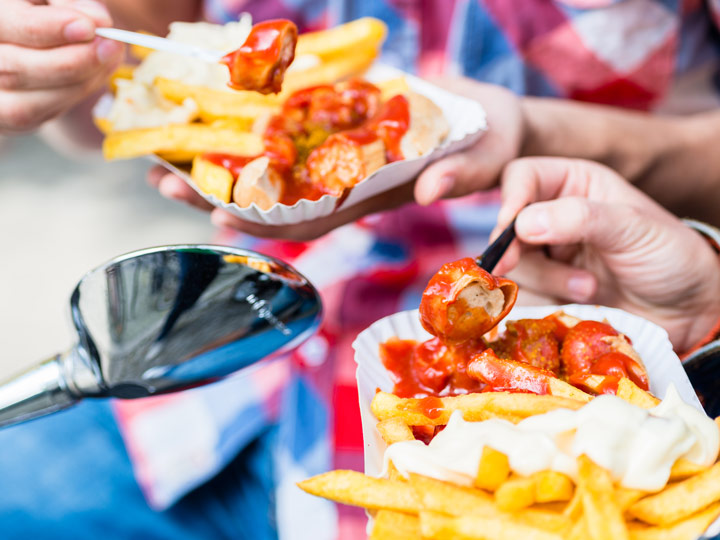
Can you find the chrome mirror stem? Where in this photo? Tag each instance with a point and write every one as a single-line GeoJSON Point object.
{"type": "Point", "coordinates": [38, 391]}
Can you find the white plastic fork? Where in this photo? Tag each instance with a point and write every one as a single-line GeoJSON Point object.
{"type": "Point", "coordinates": [160, 44]}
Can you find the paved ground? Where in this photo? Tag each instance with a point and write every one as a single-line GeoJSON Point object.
{"type": "Point", "coordinates": [60, 218]}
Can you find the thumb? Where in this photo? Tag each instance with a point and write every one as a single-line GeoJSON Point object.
{"type": "Point", "coordinates": [460, 174]}
{"type": "Point", "coordinates": [576, 220]}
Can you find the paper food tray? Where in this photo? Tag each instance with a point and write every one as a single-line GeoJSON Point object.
{"type": "Point", "coordinates": [467, 121]}
{"type": "Point", "coordinates": [650, 341]}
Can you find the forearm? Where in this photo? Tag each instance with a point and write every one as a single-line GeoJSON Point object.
{"type": "Point", "coordinates": [673, 159]}
{"type": "Point", "coordinates": [152, 16]}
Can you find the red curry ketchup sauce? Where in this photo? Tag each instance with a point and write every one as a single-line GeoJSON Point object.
{"type": "Point", "coordinates": [232, 163]}
{"type": "Point", "coordinates": [390, 124]}
{"type": "Point", "coordinates": [308, 117]}
{"type": "Point", "coordinates": [446, 313]}
{"type": "Point", "coordinates": [339, 162]}
{"type": "Point", "coordinates": [532, 341]}
{"type": "Point", "coordinates": [261, 62]}
{"type": "Point", "coordinates": [596, 348]}
{"type": "Point", "coordinates": [430, 368]}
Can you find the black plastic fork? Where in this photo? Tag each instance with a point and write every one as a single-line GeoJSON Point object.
{"type": "Point", "coordinates": [494, 252]}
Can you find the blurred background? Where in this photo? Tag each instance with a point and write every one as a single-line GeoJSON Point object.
{"type": "Point", "coordinates": [60, 217]}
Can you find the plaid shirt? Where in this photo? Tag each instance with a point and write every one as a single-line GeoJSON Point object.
{"type": "Point", "coordinates": [644, 54]}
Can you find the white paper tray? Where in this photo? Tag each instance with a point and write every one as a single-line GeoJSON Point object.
{"type": "Point", "coordinates": [467, 122]}
{"type": "Point", "coordinates": [649, 340]}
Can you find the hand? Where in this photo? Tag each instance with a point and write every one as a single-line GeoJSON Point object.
{"type": "Point", "coordinates": [50, 59]}
{"type": "Point", "coordinates": [174, 187]}
{"type": "Point", "coordinates": [460, 174]}
{"type": "Point", "coordinates": [477, 168]}
{"type": "Point", "coordinates": [607, 243]}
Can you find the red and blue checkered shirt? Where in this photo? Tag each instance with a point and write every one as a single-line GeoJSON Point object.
{"type": "Point", "coordinates": [644, 54]}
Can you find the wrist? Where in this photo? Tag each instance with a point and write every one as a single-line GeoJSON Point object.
{"type": "Point", "coordinates": [563, 128]}
{"type": "Point", "coordinates": [705, 326]}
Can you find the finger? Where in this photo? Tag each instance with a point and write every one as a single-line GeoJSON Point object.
{"type": "Point", "coordinates": [542, 178]}
{"type": "Point", "coordinates": [563, 253]}
{"type": "Point", "coordinates": [26, 68]}
{"type": "Point", "coordinates": [95, 10]}
{"type": "Point", "coordinates": [43, 26]}
{"type": "Point", "coordinates": [155, 174]}
{"type": "Point", "coordinates": [518, 188]}
{"type": "Point", "coordinates": [576, 220]}
{"type": "Point", "coordinates": [21, 111]}
{"type": "Point", "coordinates": [173, 187]}
{"type": "Point", "coordinates": [538, 273]}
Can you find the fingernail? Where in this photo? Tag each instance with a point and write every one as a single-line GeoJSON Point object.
{"type": "Point", "coordinates": [79, 30]}
{"type": "Point", "coordinates": [581, 287]}
{"type": "Point", "coordinates": [443, 187]}
{"type": "Point", "coordinates": [107, 50]}
{"type": "Point", "coordinates": [534, 222]}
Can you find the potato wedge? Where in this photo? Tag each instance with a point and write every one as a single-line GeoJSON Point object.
{"type": "Point", "coordinates": [552, 486]}
{"type": "Point", "coordinates": [188, 138]}
{"type": "Point", "coordinates": [632, 393]}
{"type": "Point", "coordinates": [493, 469]}
{"type": "Point", "coordinates": [394, 430]}
{"type": "Point", "coordinates": [515, 493]}
{"type": "Point", "coordinates": [212, 179]}
{"type": "Point", "coordinates": [563, 389]}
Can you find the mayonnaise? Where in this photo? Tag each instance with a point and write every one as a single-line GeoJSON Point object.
{"type": "Point", "coordinates": [139, 106]}
{"type": "Point", "coordinates": [637, 446]}
{"type": "Point", "coordinates": [223, 38]}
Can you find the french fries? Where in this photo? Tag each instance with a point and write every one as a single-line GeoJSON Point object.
{"type": "Point", "coordinates": [363, 34]}
{"type": "Point", "coordinates": [356, 489]}
{"type": "Point", "coordinates": [680, 500]}
{"type": "Point", "coordinates": [216, 104]}
{"type": "Point", "coordinates": [184, 141]}
{"type": "Point", "coordinates": [632, 393]}
{"type": "Point", "coordinates": [440, 527]}
{"type": "Point", "coordinates": [516, 493]}
{"type": "Point", "coordinates": [493, 469]}
{"type": "Point", "coordinates": [475, 407]}
{"type": "Point", "coordinates": [603, 515]}
{"type": "Point", "coordinates": [342, 52]}
{"type": "Point", "coordinates": [391, 525]}
{"type": "Point", "coordinates": [394, 430]}
{"type": "Point", "coordinates": [499, 504]}
{"type": "Point", "coordinates": [212, 179]}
